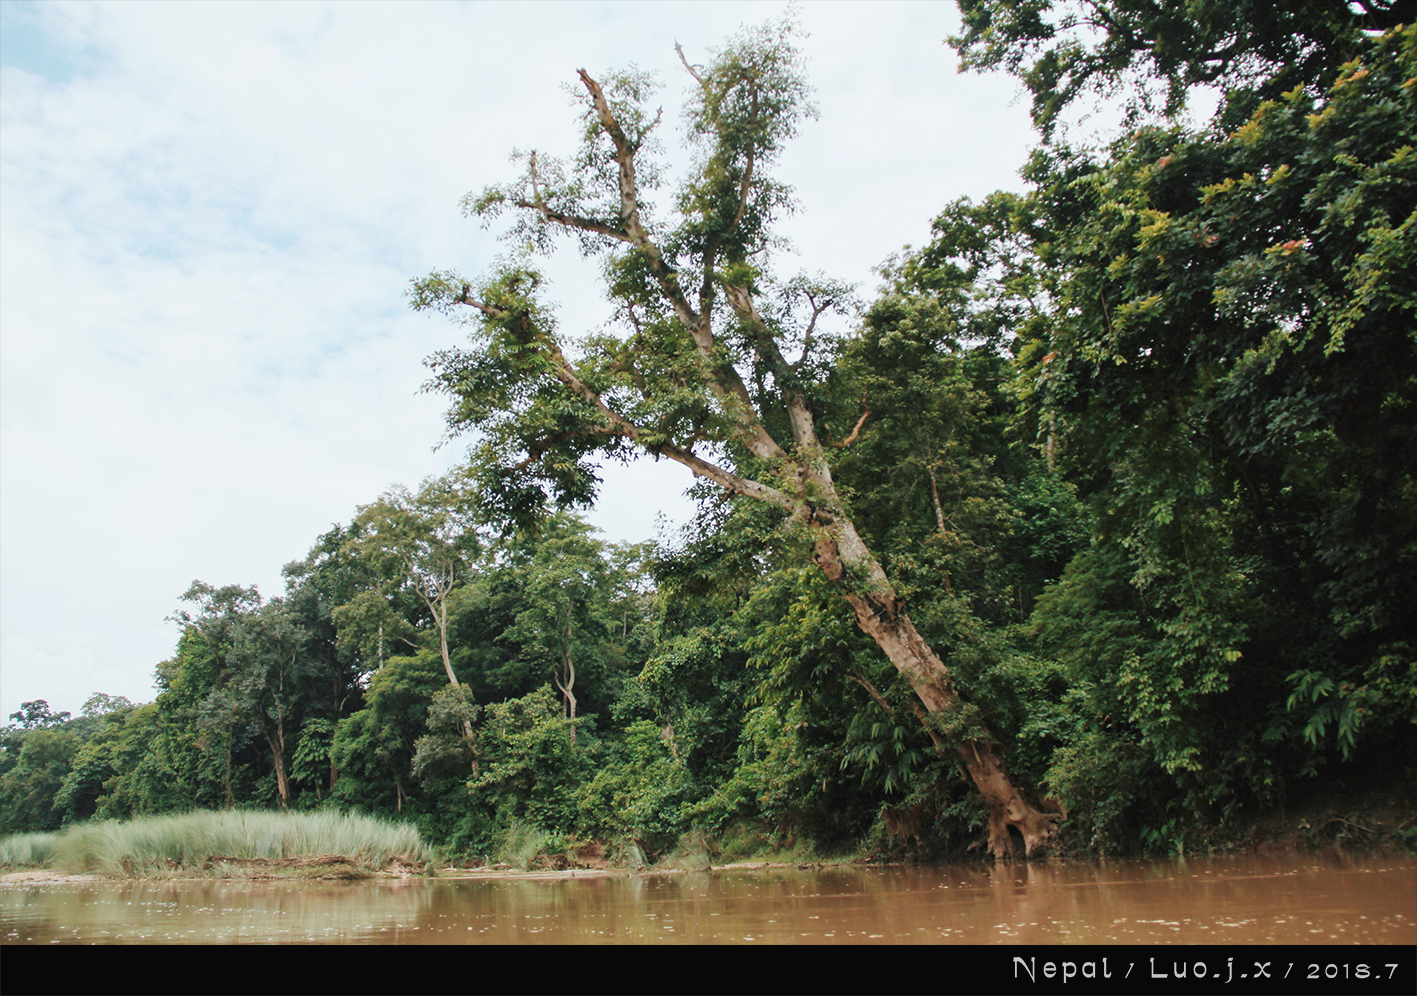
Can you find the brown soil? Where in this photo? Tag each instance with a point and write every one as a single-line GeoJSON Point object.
{"type": "Point", "coordinates": [1376, 817]}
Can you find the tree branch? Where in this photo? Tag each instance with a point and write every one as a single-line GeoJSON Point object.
{"type": "Point", "coordinates": [625, 154]}
{"type": "Point", "coordinates": [617, 424]}
{"type": "Point", "coordinates": [747, 169]}
{"type": "Point", "coordinates": [574, 221]}
{"type": "Point", "coordinates": [723, 380]}
{"type": "Point", "coordinates": [680, 49]}
{"type": "Point", "coordinates": [798, 413]}
{"type": "Point", "coordinates": [811, 327]}
{"type": "Point", "coordinates": [856, 431]}
{"type": "Point", "coordinates": [624, 427]}
{"type": "Point", "coordinates": [880, 700]}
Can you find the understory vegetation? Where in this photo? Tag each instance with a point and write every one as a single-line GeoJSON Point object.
{"type": "Point", "coordinates": [1094, 529]}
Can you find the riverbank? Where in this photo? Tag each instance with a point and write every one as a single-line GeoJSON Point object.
{"type": "Point", "coordinates": [343, 847]}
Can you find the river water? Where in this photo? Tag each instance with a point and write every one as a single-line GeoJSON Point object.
{"type": "Point", "coordinates": [1287, 899]}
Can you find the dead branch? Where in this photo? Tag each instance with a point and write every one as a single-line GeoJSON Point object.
{"type": "Point", "coordinates": [680, 49]}
{"type": "Point", "coordinates": [856, 431]}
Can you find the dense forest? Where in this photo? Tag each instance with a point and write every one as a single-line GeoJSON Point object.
{"type": "Point", "coordinates": [1092, 530]}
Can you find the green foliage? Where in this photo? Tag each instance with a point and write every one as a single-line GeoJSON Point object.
{"type": "Point", "coordinates": [529, 765]}
{"type": "Point", "coordinates": [639, 788]}
{"type": "Point", "coordinates": [373, 749]}
{"type": "Point", "coordinates": [563, 625]}
{"type": "Point", "coordinates": [37, 715]}
{"type": "Point", "coordinates": [102, 704]}
{"type": "Point", "coordinates": [445, 752]}
{"type": "Point", "coordinates": [101, 781]}
{"type": "Point", "coordinates": [29, 788]}
{"type": "Point", "coordinates": [1386, 696]}
{"type": "Point", "coordinates": [1154, 51]}
{"type": "Point", "coordinates": [1237, 381]}
{"type": "Point", "coordinates": [311, 763]}
{"type": "Point", "coordinates": [521, 844]}
{"type": "Point", "coordinates": [1226, 377]}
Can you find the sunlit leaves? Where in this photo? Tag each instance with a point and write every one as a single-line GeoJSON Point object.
{"type": "Point", "coordinates": [1236, 315]}
{"type": "Point", "coordinates": [1153, 51]}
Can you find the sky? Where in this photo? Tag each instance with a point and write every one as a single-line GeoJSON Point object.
{"type": "Point", "coordinates": [209, 215]}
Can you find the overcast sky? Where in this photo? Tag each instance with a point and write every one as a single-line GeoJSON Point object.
{"type": "Point", "coordinates": [209, 214]}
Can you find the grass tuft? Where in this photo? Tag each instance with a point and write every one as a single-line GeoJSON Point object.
{"type": "Point", "coordinates": [26, 850]}
{"type": "Point", "coordinates": [190, 841]}
{"type": "Point", "coordinates": [522, 843]}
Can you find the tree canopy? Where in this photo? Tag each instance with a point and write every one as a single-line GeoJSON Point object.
{"type": "Point", "coordinates": [1151, 52]}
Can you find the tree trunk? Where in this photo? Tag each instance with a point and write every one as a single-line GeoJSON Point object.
{"type": "Point", "coordinates": [276, 740]}
{"type": "Point", "coordinates": [282, 784]}
{"type": "Point", "coordinates": [565, 682]}
{"type": "Point", "coordinates": [880, 615]}
{"type": "Point", "coordinates": [440, 616]}
{"type": "Point", "coordinates": [226, 776]}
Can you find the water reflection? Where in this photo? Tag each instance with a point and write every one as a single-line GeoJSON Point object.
{"type": "Point", "coordinates": [1280, 899]}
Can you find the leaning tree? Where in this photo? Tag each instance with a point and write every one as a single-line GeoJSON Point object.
{"type": "Point", "coordinates": [699, 369]}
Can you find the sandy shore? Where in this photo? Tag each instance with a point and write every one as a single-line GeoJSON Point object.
{"type": "Point", "coordinates": [44, 877]}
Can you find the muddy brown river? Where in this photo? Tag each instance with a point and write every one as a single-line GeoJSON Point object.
{"type": "Point", "coordinates": [1289, 899]}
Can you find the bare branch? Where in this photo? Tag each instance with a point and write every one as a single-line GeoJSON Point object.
{"type": "Point", "coordinates": [630, 209]}
{"type": "Point", "coordinates": [624, 427]}
{"type": "Point", "coordinates": [625, 153]}
{"type": "Point", "coordinates": [811, 327]}
{"type": "Point", "coordinates": [680, 49]}
{"type": "Point", "coordinates": [723, 380]}
{"type": "Point", "coordinates": [919, 711]}
{"type": "Point", "coordinates": [465, 297]}
{"type": "Point", "coordinates": [856, 431]}
{"type": "Point", "coordinates": [880, 700]}
{"type": "Point", "coordinates": [798, 412]}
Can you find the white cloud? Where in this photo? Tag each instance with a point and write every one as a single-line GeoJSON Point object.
{"type": "Point", "coordinates": [210, 216]}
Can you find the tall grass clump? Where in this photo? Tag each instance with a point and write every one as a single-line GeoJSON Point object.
{"type": "Point", "coordinates": [521, 845]}
{"type": "Point", "coordinates": [26, 850]}
{"type": "Point", "coordinates": [190, 840]}
{"type": "Point", "coordinates": [692, 853]}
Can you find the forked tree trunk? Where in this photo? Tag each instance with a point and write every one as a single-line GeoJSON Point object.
{"type": "Point", "coordinates": [880, 615]}
{"type": "Point", "coordinates": [566, 680]}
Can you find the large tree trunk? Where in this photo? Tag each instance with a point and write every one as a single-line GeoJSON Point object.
{"type": "Point", "coordinates": [880, 615]}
